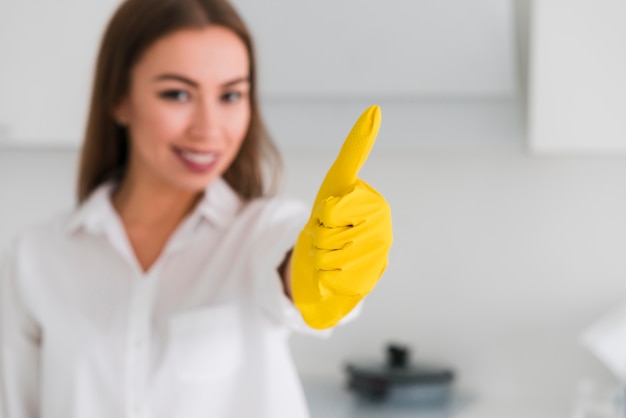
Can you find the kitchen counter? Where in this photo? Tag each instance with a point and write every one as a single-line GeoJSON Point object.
{"type": "Point", "coordinates": [329, 398]}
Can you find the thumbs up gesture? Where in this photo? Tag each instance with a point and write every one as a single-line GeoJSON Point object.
{"type": "Point", "coordinates": [342, 251]}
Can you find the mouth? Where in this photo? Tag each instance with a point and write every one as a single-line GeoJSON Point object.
{"type": "Point", "coordinates": [195, 160]}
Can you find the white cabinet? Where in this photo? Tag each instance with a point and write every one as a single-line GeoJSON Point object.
{"type": "Point", "coordinates": [443, 71]}
{"type": "Point", "coordinates": [577, 97]}
{"type": "Point", "coordinates": [325, 52]}
{"type": "Point", "coordinates": [397, 48]}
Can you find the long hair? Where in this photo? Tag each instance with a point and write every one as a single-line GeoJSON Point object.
{"type": "Point", "coordinates": [134, 27]}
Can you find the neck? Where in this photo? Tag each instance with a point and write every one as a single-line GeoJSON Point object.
{"type": "Point", "coordinates": [151, 204]}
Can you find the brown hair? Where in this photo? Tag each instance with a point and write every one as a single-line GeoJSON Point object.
{"type": "Point", "coordinates": [134, 27]}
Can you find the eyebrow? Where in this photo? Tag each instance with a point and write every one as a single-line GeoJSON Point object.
{"type": "Point", "coordinates": [194, 84]}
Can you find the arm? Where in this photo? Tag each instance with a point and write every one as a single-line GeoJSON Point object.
{"type": "Point", "coordinates": [20, 339]}
{"type": "Point", "coordinates": [284, 270]}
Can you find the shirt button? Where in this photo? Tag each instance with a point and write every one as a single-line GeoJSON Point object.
{"type": "Point", "coordinates": [138, 344]}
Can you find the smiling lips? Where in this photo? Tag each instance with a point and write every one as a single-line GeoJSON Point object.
{"type": "Point", "coordinates": [198, 162]}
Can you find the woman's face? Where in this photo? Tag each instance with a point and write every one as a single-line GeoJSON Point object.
{"type": "Point", "coordinates": [188, 109]}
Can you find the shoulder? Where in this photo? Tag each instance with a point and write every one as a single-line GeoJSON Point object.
{"type": "Point", "coordinates": [278, 210]}
{"type": "Point", "coordinates": [44, 233]}
{"type": "Point", "coordinates": [280, 205]}
{"type": "Point", "coordinates": [273, 226]}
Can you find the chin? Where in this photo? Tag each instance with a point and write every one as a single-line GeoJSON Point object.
{"type": "Point", "coordinates": [195, 185]}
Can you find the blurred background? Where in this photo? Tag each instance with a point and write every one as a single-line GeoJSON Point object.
{"type": "Point", "coordinates": [502, 153]}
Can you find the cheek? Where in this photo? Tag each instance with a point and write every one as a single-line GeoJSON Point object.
{"type": "Point", "coordinates": [165, 123]}
{"type": "Point", "coordinates": [238, 126]}
{"type": "Point", "coordinates": [155, 128]}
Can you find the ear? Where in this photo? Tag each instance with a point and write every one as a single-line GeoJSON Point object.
{"type": "Point", "coordinates": [121, 113]}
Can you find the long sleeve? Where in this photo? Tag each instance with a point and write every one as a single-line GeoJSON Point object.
{"type": "Point", "coordinates": [20, 338]}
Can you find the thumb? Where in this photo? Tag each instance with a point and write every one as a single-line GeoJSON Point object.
{"type": "Point", "coordinates": [344, 171]}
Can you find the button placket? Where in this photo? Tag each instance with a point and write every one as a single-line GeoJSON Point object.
{"type": "Point", "coordinates": [138, 347]}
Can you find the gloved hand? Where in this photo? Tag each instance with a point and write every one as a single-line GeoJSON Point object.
{"type": "Point", "coordinates": [342, 251]}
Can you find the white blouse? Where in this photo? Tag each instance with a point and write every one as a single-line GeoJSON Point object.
{"type": "Point", "coordinates": [86, 334]}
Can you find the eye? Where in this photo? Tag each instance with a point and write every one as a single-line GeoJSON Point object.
{"type": "Point", "coordinates": [232, 96]}
{"type": "Point", "coordinates": [175, 95]}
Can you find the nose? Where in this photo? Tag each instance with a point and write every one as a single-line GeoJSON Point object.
{"type": "Point", "coordinates": [205, 121]}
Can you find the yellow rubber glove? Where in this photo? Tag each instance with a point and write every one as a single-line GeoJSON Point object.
{"type": "Point", "coordinates": [342, 251]}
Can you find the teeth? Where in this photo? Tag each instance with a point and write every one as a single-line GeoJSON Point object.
{"type": "Point", "coordinates": [198, 158]}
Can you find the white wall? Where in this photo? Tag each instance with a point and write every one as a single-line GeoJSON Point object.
{"type": "Point", "coordinates": [499, 260]}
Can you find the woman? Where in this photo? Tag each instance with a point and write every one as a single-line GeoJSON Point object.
{"type": "Point", "coordinates": [167, 291]}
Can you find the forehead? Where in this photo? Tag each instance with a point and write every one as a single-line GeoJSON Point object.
{"type": "Point", "coordinates": [212, 54]}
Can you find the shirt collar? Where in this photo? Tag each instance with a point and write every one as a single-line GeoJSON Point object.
{"type": "Point", "coordinates": [219, 205]}
{"type": "Point", "coordinates": [92, 213]}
